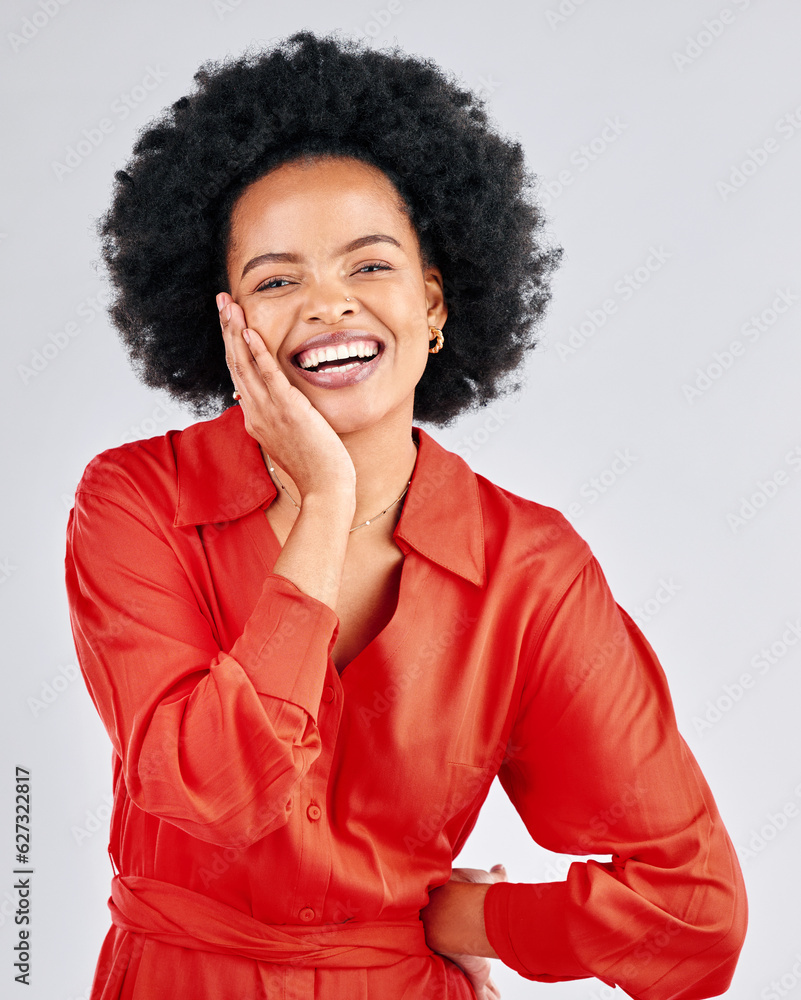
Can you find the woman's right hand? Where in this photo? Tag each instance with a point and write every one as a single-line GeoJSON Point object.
{"type": "Point", "coordinates": [301, 441]}
{"type": "Point", "coordinates": [278, 415]}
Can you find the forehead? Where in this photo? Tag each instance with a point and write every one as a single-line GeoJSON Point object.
{"type": "Point", "coordinates": [330, 193]}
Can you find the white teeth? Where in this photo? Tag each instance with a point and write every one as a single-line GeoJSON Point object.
{"type": "Point", "coordinates": [357, 348]}
{"type": "Point", "coordinates": [341, 368]}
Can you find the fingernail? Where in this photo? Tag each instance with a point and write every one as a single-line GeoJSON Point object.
{"type": "Point", "coordinates": [220, 302]}
{"type": "Point", "coordinates": [497, 868]}
{"type": "Point", "coordinates": [227, 313]}
{"type": "Point", "coordinates": [246, 335]}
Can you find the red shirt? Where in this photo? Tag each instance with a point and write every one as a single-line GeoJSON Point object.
{"type": "Point", "coordinates": [277, 825]}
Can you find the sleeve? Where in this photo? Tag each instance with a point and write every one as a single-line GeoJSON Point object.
{"type": "Point", "coordinates": [597, 766]}
{"type": "Point", "coordinates": [211, 741]}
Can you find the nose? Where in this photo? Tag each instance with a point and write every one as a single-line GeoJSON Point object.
{"type": "Point", "coordinates": [328, 303]}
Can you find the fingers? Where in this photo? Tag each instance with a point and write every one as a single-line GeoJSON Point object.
{"type": "Point", "coordinates": [468, 875]}
{"type": "Point", "coordinates": [275, 411]}
{"type": "Point", "coordinates": [496, 874]}
{"type": "Point", "coordinates": [251, 365]}
{"type": "Point", "coordinates": [238, 357]}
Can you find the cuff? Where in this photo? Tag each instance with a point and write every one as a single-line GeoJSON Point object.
{"type": "Point", "coordinates": [526, 925]}
{"type": "Point", "coordinates": [286, 643]}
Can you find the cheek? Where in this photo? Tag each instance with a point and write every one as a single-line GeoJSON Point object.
{"type": "Point", "coordinates": [263, 320]}
{"type": "Point", "coordinates": [416, 349]}
{"type": "Point", "coordinates": [416, 355]}
{"type": "Point", "coordinates": [253, 314]}
{"type": "Point", "coordinates": [404, 311]}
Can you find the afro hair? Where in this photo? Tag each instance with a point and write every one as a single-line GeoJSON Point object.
{"type": "Point", "coordinates": [466, 190]}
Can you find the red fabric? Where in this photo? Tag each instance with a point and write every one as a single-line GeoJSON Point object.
{"type": "Point", "coordinates": [319, 808]}
{"type": "Point", "coordinates": [189, 919]}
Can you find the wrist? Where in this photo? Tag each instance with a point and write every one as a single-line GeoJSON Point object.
{"type": "Point", "coordinates": [336, 502]}
{"type": "Point", "coordinates": [454, 919]}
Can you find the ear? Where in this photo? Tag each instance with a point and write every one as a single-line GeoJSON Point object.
{"type": "Point", "coordinates": [436, 306]}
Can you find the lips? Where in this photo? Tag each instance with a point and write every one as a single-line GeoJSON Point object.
{"type": "Point", "coordinates": [343, 372]}
{"type": "Point", "coordinates": [340, 358]}
{"type": "Point", "coordinates": [335, 339]}
{"type": "Point", "coordinates": [328, 356]}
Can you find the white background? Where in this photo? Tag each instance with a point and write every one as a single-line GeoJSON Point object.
{"type": "Point", "coordinates": [703, 169]}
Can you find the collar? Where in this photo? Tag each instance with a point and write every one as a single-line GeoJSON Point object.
{"type": "Point", "coordinates": [222, 477]}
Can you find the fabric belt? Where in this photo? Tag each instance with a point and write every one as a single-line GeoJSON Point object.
{"type": "Point", "coordinates": [178, 916]}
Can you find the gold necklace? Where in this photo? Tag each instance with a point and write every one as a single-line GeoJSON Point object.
{"type": "Point", "coordinates": [272, 471]}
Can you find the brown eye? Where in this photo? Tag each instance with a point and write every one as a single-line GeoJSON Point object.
{"type": "Point", "coordinates": [377, 265]}
{"type": "Point", "coordinates": [270, 284]}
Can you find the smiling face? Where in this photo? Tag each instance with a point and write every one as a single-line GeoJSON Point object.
{"type": "Point", "coordinates": [326, 266]}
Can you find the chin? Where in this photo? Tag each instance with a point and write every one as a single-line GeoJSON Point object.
{"type": "Point", "coordinates": [359, 413]}
{"type": "Point", "coordinates": [344, 422]}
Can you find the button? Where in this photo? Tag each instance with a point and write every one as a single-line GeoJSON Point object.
{"type": "Point", "coordinates": [314, 811]}
{"type": "Point", "coordinates": [307, 913]}
{"type": "Point", "coordinates": [328, 693]}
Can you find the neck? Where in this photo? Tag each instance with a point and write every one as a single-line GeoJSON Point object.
{"type": "Point", "coordinates": [383, 456]}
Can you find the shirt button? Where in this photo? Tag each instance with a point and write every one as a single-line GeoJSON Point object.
{"type": "Point", "coordinates": [328, 693]}
{"type": "Point", "coordinates": [314, 811]}
{"type": "Point", "coordinates": [307, 913]}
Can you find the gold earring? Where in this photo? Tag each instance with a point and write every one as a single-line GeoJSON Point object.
{"type": "Point", "coordinates": [440, 340]}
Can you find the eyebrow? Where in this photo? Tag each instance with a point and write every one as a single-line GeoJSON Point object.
{"type": "Point", "coordinates": [293, 258]}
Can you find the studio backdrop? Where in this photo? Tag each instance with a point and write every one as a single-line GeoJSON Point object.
{"type": "Point", "coordinates": [660, 413]}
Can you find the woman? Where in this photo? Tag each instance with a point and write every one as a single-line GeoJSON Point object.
{"type": "Point", "coordinates": [313, 634]}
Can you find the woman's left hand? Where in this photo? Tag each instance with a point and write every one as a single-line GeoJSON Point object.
{"type": "Point", "coordinates": [451, 914]}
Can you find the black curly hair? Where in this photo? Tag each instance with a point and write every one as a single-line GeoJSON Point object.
{"type": "Point", "coordinates": [466, 190]}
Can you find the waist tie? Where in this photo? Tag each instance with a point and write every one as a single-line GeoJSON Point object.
{"type": "Point", "coordinates": [178, 916]}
